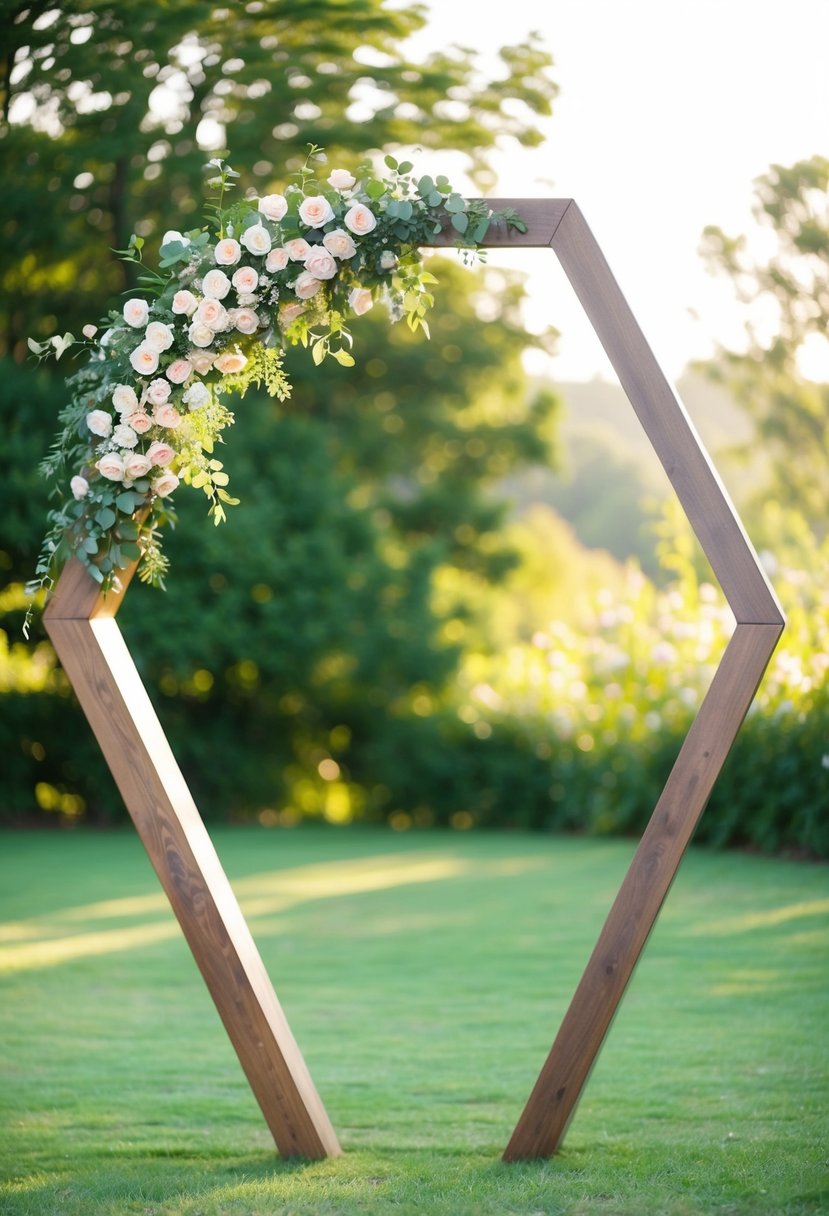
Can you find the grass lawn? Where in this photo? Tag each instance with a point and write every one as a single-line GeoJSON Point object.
{"type": "Point", "coordinates": [424, 977]}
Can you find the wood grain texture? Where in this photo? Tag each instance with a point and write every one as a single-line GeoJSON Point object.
{"type": "Point", "coordinates": [103, 675]}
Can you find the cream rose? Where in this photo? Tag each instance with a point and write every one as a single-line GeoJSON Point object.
{"type": "Point", "coordinates": [315, 211]}
{"type": "Point", "coordinates": [200, 334]}
{"type": "Point", "coordinates": [306, 286]}
{"type": "Point", "coordinates": [273, 206]}
{"type": "Point", "coordinates": [341, 179]}
{"type": "Point", "coordinates": [360, 301]}
{"type": "Point", "coordinates": [79, 487]}
{"type": "Point", "coordinates": [166, 415]}
{"type": "Point", "coordinates": [184, 303]}
{"type": "Point", "coordinates": [136, 313]}
{"type": "Point", "coordinates": [124, 398]}
{"type": "Point", "coordinates": [298, 249]}
{"type": "Point", "coordinates": [245, 280]}
{"type": "Point", "coordinates": [227, 252]}
{"type": "Point", "coordinates": [160, 453]}
{"type": "Point", "coordinates": [277, 259]}
{"type": "Point", "coordinates": [158, 336]}
{"type": "Point", "coordinates": [201, 360]}
{"type": "Point", "coordinates": [136, 465]}
{"type": "Point", "coordinates": [197, 395]}
{"type": "Point", "coordinates": [290, 312]}
{"type": "Point", "coordinates": [140, 422]}
{"type": "Point", "coordinates": [388, 260]}
{"type": "Point", "coordinates": [178, 371]}
{"type": "Point", "coordinates": [320, 264]}
{"type": "Point", "coordinates": [111, 466]}
{"type": "Point", "coordinates": [165, 484]}
{"type": "Point", "coordinates": [245, 320]}
{"type": "Point", "coordinates": [339, 243]}
{"type": "Point", "coordinates": [256, 239]}
{"type": "Point", "coordinates": [124, 436]}
{"type": "Point", "coordinates": [99, 423]}
{"type": "Point", "coordinates": [211, 313]}
{"type": "Point", "coordinates": [359, 220]}
{"type": "Point", "coordinates": [144, 359]}
{"type": "Point", "coordinates": [230, 362]}
{"type": "Point", "coordinates": [158, 392]}
{"type": "Point", "coordinates": [216, 285]}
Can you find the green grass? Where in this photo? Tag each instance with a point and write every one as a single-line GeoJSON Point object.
{"type": "Point", "coordinates": [424, 977]}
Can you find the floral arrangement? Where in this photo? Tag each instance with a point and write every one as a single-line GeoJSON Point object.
{"type": "Point", "coordinates": [146, 410]}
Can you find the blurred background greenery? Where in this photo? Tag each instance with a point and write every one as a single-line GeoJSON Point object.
{"type": "Point", "coordinates": [452, 594]}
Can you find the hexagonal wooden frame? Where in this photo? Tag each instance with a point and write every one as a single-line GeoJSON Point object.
{"type": "Point", "coordinates": [81, 624]}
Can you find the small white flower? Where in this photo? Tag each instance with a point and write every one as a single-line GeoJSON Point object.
{"type": "Point", "coordinates": [89, 331]}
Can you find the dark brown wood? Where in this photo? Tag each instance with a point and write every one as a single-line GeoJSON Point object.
{"type": "Point", "coordinates": [80, 622]}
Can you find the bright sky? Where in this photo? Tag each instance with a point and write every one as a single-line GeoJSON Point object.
{"type": "Point", "coordinates": [668, 110]}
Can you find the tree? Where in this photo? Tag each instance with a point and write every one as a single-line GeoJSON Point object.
{"type": "Point", "coordinates": [786, 301]}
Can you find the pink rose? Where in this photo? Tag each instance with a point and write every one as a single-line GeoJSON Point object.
{"type": "Point", "coordinates": [339, 243]}
{"type": "Point", "coordinates": [165, 484]}
{"type": "Point", "coordinates": [211, 312]}
{"type": "Point", "coordinates": [315, 211]}
{"type": "Point", "coordinates": [277, 259]}
{"type": "Point", "coordinates": [256, 240]}
{"type": "Point", "coordinates": [160, 453]}
{"type": "Point", "coordinates": [273, 206]}
{"type": "Point", "coordinates": [289, 313]}
{"type": "Point", "coordinates": [215, 284]}
{"type": "Point", "coordinates": [184, 303]}
{"type": "Point", "coordinates": [111, 466]}
{"type": "Point", "coordinates": [178, 371]}
{"type": "Point", "coordinates": [140, 422]}
{"type": "Point", "coordinates": [158, 336]}
{"type": "Point", "coordinates": [359, 220]}
{"type": "Point", "coordinates": [79, 487]}
{"type": "Point", "coordinates": [320, 264]}
{"type": "Point", "coordinates": [360, 301]}
{"type": "Point", "coordinates": [245, 280]}
{"type": "Point", "coordinates": [341, 179]}
{"type": "Point", "coordinates": [158, 392]}
{"type": "Point", "coordinates": [136, 465]}
{"type": "Point", "coordinates": [99, 423]}
{"type": "Point", "coordinates": [227, 252]}
{"type": "Point", "coordinates": [306, 286]}
{"type": "Point", "coordinates": [166, 415]}
{"type": "Point", "coordinates": [230, 362]}
{"type": "Point", "coordinates": [136, 313]}
{"type": "Point", "coordinates": [245, 320]}
{"type": "Point", "coordinates": [144, 359]}
{"type": "Point", "coordinates": [202, 361]}
{"type": "Point", "coordinates": [298, 249]}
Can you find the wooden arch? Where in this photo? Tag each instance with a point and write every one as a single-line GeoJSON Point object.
{"type": "Point", "coordinates": [81, 624]}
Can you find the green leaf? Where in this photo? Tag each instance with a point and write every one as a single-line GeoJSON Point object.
{"type": "Point", "coordinates": [390, 162]}
{"type": "Point", "coordinates": [375, 189]}
{"type": "Point", "coordinates": [425, 187]}
{"type": "Point", "coordinates": [455, 204]}
{"type": "Point", "coordinates": [106, 517]}
{"type": "Point", "coordinates": [434, 199]}
{"type": "Point", "coordinates": [90, 545]}
{"type": "Point", "coordinates": [131, 552]}
{"type": "Point", "coordinates": [405, 166]}
{"type": "Point", "coordinates": [343, 358]}
{"type": "Point", "coordinates": [318, 352]}
{"type": "Point", "coordinates": [220, 479]}
{"type": "Point", "coordinates": [127, 502]}
{"type": "Point", "coordinates": [460, 222]}
{"type": "Point", "coordinates": [225, 497]}
{"type": "Point", "coordinates": [405, 209]}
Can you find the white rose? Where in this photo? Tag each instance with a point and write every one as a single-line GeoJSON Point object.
{"type": "Point", "coordinates": [79, 487]}
{"type": "Point", "coordinates": [360, 301]}
{"type": "Point", "coordinates": [245, 280]}
{"type": "Point", "coordinates": [256, 240]}
{"type": "Point", "coordinates": [99, 423]}
{"type": "Point", "coordinates": [277, 259]}
{"type": "Point", "coordinates": [124, 436]}
{"type": "Point", "coordinates": [111, 466]}
{"type": "Point", "coordinates": [201, 361]}
{"type": "Point", "coordinates": [165, 484]}
{"type": "Point", "coordinates": [298, 249]}
{"type": "Point", "coordinates": [341, 179]}
{"type": "Point", "coordinates": [158, 336]}
{"type": "Point", "coordinates": [315, 211]}
{"type": "Point", "coordinates": [178, 371]}
{"type": "Point", "coordinates": [359, 220]}
{"type": "Point", "coordinates": [136, 313]}
{"type": "Point", "coordinates": [339, 243]}
{"type": "Point", "coordinates": [197, 395]}
{"type": "Point", "coordinates": [184, 303]}
{"type": "Point", "coordinates": [210, 312]}
{"type": "Point", "coordinates": [136, 465]}
{"type": "Point", "coordinates": [124, 399]}
{"type": "Point", "coordinates": [320, 264]}
{"type": "Point", "coordinates": [216, 284]}
{"type": "Point", "coordinates": [245, 320]}
{"type": "Point", "coordinates": [200, 334]}
{"type": "Point", "coordinates": [388, 260]}
{"type": "Point", "coordinates": [273, 206]}
{"type": "Point", "coordinates": [227, 252]}
{"type": "Point", "coordinates": [144, 359]}
{"type": "Point", "coordinates": [306, 286]}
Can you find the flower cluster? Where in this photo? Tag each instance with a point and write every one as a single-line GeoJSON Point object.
{"type": "Point", "coordinates": [146, 410]}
